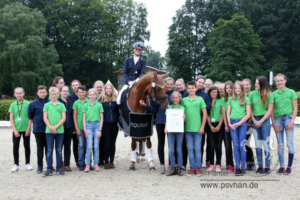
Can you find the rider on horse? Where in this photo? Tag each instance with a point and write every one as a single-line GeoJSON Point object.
{"type": "Point", "coordinates": [134, 68]}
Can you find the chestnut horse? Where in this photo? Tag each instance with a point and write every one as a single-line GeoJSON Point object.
{"type": "Point", "coordinates": [149, 84]}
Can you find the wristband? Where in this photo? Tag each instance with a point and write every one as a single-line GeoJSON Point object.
{"type": "Point", "coordinates": [209, 124]}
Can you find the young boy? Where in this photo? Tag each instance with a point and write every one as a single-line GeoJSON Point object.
{"type": "Point", "coordinates": [21, 126]}
{"type": "Point", "coordinates": [78, 123]}
{"type": "Point", "coordinates": [35, 114]}
{"type": "Point", "coordinates": [54, 118]}
{"type": "Point", "coordinates": [194, 128]}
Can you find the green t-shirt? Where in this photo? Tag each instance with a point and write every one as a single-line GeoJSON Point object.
{"type": "Point", "coordinates": [257, 107]}
{"type": "Point", "coordinates": [225, 103]}
{"type": "Point", "coordinates": [55, 115]}
{"type": "Point", "coordinates": [78, 106]}
{"type": "Point", "coordinates": [93, 111]}
{"type": "Point", "coordinates": [193, 113]}
{"type": "Point", "coordinates": [20, 110]}
{"type": "Point", "coordinates": [237, 111]}
{"type": "Point", "coordinates": [283, 102]}
{"type": "Point", "coordinates": [216, 110]}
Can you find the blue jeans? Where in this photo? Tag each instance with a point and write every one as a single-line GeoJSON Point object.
{"type": "Point", "coordinates": [171, 142]}
{"type": "Point", "coordinates": [50, 138]}
{"type": "Point", "coordinates": [282, 122]}
{"type": "Point", "coordinates": [262, 140]}
{"type": "Point", "coordinates": [92, 128]}
{"type": "Point", "coordinates": [81, 147]}
{"type": "Point", "coordinates": [238, 137]}
{"type": "Point", "coordinates": [193, 140]}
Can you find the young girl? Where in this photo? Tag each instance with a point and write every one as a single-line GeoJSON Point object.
{"type": "Point", "coordinates": [92, 124]}
{"type": "Point", "coordinates": [35, 114]}
{"type": "Point", "coordinates": [238, 112]}
{"type": "Point", "coordinates": [58, 82]}
{"type": "Point", "coordinates": [228, 87]}
{"type": "Point", "coordinates": [78, 123]}
{"type": "Point", "coordinates": [262, 106]}
{"type": "Point", "coordinates": [68, 126]}
{"type": "Point", "coordinates": [110, 131]}
{"type": "Point", "coordinates": [215, 130]}
{"type": "Point", "coordinates": [283, 118]}
{"type": "Point", "coordinates": [54, 117]}
{"type": "Point", "coordinates": [98, 86]}
{"type": "Point", "coordinates": [21, 127]}
{"type": "Point", "coordinates": [176, 98]}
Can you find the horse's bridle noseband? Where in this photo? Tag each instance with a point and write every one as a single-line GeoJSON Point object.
{"type": "Point", "coordinates": [153, 86]}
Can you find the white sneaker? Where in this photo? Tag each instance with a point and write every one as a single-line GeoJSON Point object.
{"type": "Point", "coordinates": [15, 168]}
{"type": "Point", "coordinates": [29, 167]}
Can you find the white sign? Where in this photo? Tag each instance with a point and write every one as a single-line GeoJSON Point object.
{"type": "Point", "coordinates": [174, 120]}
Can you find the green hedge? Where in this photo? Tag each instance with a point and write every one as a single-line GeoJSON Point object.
{"type": "Point", "coordinates": [4, 106]}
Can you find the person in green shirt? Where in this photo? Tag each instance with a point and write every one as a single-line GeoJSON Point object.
{"type": "Point", "coordinates": [283, 117]}
{"type": "Point", "coordinates": [238, 112]}
{"type": "Point", "coordinates": [194, 128]}
{"type": "Point", "coordinates": [54, 118]}
{"type": "Point", "coordinates": [262, 103]}
{"type": "Point", "coordinates": [215, 130]}
{"type": "Point", "coordinates": [178, 136]}
{"type": "Point", "coordinates": [228, 87]}
{"type": "Point", "coordinates": [250, 157]}
{"type": "Point", "coordinates": [20, 124]}
{"type": "Point", "coordinates": [78, 123]}
{"type": "Point", "coordinates": [92, 125]}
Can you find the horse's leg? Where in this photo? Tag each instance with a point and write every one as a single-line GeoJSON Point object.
{"type": "Point", "coordinates": [150, 155]}
{"type": "Point", "coordinates": [143, 149]}
{"type": "Point", "coordinates": [133, 154]}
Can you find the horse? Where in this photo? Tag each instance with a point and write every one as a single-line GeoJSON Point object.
{"type": "Point", "coordinates": [149, 84]}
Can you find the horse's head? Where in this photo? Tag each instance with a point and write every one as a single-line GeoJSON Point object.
{"type": "Point", "coordinates": [157, 90]}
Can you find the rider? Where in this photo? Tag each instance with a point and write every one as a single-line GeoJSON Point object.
{"type": "Point", "coordinates": [134, 68]}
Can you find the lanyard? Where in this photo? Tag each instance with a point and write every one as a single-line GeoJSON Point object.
{"type": "Point", "coordinates": [19, 111]}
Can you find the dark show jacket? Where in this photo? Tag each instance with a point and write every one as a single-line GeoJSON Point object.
{"type": "Point", "coordinates": [69, 114]}
{"type": "Point", "coordinates": [111, 112]}
{"type": "Point", "coordinates": [129, 69]}
{"type": "Point", "coordinates": [35, 113]}
{"type": "Point", "coordinates": [73, 97]}
{"type": "Point", "coordinates": [161, 113]}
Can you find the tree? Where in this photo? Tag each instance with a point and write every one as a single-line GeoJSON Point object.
{"type": "Point", "coordinates": [236, 50]}
{"type": "Point", "coordinates": [24, 57]}
{"type": "Point", "coordinates": [154, 59]}
{"type": "Point", "coordinates": [188, 53]}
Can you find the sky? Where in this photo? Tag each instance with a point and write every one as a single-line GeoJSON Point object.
{"type": "Point", "coordinates": [160, 14]}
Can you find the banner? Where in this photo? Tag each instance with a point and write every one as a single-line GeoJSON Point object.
{"type": "Point", "coordinates": [140, 125]}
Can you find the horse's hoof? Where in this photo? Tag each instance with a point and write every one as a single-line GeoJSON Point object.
{"type": "Point", "coordinates": [152, 169]}
{"type": "Point", "coordinates": [132, 168]}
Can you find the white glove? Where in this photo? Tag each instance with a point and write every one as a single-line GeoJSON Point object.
{"type": "Point", "coordinates": [131, 82]}
{"type": "Point", "coordinates": [137, 80]}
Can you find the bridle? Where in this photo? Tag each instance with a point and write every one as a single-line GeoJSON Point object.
{"type": "Point", "coordinates": [153, 87]}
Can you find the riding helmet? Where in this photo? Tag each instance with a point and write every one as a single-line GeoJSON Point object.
{"type": "Point", "coordinates": [138, 45]}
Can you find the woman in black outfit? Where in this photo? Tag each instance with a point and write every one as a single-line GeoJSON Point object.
{"type": "Point", "coordinates": [110, 128]}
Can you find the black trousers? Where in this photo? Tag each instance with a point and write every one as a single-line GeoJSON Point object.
{"type": "Point", "coordinates": [207, 145]}
{"type": "Point", "coordinates": [75, 147]}
{"type": "Point", "coordinates": [101, 150]}
{"type": "Point", "coordinates": [41, 145]}
{"type": "Point", "coordinates": [161, 136]}
{"type": "Point", "coordinates": [16, 145]}
{"type": "Point", "coordinates": [228, 147]}
{"type": "Point", "coordinates": [67, 146]}
{"type": "Point", "coordinates": [109, 137]}
{"type": "Point", "coordinates": [215, 144]}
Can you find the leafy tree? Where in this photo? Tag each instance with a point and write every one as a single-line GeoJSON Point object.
{"type": "Point", "coordinates": [25, 59]}
{"type": "Point", "coordinates": [236, 50]}
{"type": "Point", "coordinates": [154, 59]}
